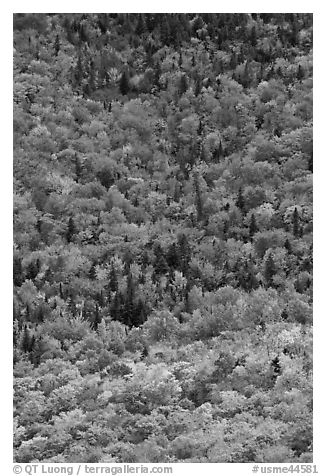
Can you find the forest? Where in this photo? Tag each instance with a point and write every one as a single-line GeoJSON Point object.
{"type": "Point", "coordinates": [162, 259]}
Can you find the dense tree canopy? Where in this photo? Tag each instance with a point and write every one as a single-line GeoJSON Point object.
{"type": "Point", "coordinates": [163, 237]}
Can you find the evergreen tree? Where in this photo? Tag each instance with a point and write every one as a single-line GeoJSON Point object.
{"type": "Point", "coordinates": [17, 271]}
{"type": "Point", "coordinates": [269, 270]}
{"type": "Point", "coordinates": [218, 153]}
{"type": "Point", "coordinates": [57, 45]}
{"type": "Point", "coordinates": [78, 168]}
{"type": "Point", "coordinates": [165, 31]}
{"type": "Point", "coordinates": [198, 200]}
{"type": "Point", "coordinates": [32, 270]}
{"type": "Point", "coordinates": [240, 203]}
{"type": "Point", "coordinates": [184, 253]}
{"type": "Point", "coordinates": [183, 85]}
{"type": "Point", "coordinates": [276, 368]}
{"type": "Point", "coordinates": [300, 73]}
{"type": "Point", "coordinates": [71, 231]}
{"type": "Point", "coordinates": [92, 271]}
{"type": "Point", "coordinates": [253, 36]}
{"type": "Point", "coordinates": [61, 291]}
{"type": "Point", "coordinates": [252, 226]}
{"type": "Point", "coordinates": [287, 246]}
{"type": "Point", "coordinates": [198, 86]}
{"type": "Point", "coordinates": [91, 77]}
{"type": "Point", "coordinates": [245, 77]}
{"type": "Point", "coordinates": [83, 35]}
{"type": "Point", "coordinates": [27, 340]}
{"type": "Point", "coordinates": [311, 162]}
{"type": "Point", "coordinates": [172, 256]}
{"type": "Point", "coordinates": [79, 72]}
{"type": "Point", "coordinates": [113, 280]}
{"type": "Point", "coordinates": [160, 264]}
{"type": "Point", "coordinates": [124, 84]}
{"type": "Point", "coordinates": [233, 61]}
{"type": "Point", "coordinates": [295, 223]}
{"type": "Point", "coordinates": [180, 61]}
{"type": "Point", "coordinates": [157, 74]}
{"type": "Point", "coordinates": [97, 318]}
{"type": "Point", "coordinates": [200, 128]}
{"type": "Point", "coordinates": [140, 28]}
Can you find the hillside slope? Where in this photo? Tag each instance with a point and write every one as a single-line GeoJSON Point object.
{"type": "Point", "coordinates": [163, 237]}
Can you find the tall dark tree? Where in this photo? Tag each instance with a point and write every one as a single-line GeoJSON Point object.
{"type": "Point", "coordinates": [92, 271]}
{"type": "Point", "coordinates": [140, 28]}
{"type": "Point", "coordinates": [184, 253]}
{"type": "Point", "coordinates": [160, 264]}
{"type": "Point", "coordinates": [300, 73]}
{"type": "Point", "coordinates": [253, 36]}
{"type": "Point", "coordinates": [27, 340]}
{"type": "Point", "coordinates": [124, 86]}
{"type": "Point", "coordinates": [252, 225]}
{"type": "Point", "coordinates": [287, 246]}
{"type": "Point", "coordinates": [183, 84]}
{"type": "Point", "coordinates": [113, 280]}
{"type": "Point", "coordinates": [17, 271]}
{"type": "Point", "coordinates": [172, 256]}
{"type": "Point", "coordinates": [97, 317]}
{"type": "Point", "coordinates": [240, 202]}
{"type": "Point", "coordinates": [78, 168]}
{"type": "Point", "coordinates": [218, 153]}
{"type": "Point", "coordinates": [71, 231]}
{"type": "Point", "coordinates": [57, 45]}
{"type": "Point", "coordinates": [269, 270]}
{"type": "Point", "coordinates": [296, 223]}
{"type": "Point", "coordinates": [311, 162]}
{"type": "Point", "coordinates": [198, 198]}
{"type": "Point", "coordinates": [79, 71]}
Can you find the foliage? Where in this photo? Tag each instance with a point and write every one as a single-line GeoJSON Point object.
{"type": "Point", "coordinates": [163, 237]}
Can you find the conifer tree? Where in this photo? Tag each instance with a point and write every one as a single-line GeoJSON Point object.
{"type": "Point", "coordinates": [218, 153]}
{"type": "Point", "coordinates": [140, 28]}
{"type": "Point", "coordinates": [113, 280]}
{"type": "Point", "coordinates": [165, 31]}
{"type": "Point", "coordinates": [32, 270]}
{"type": "Point", "coordinates": [311, 162]}
{"type": "Point", "coordinates": [71, 231]}
{"type": "Point", "coordinates": [78, 168]}
{"type": "Point", "coordinates": [295, 223]}
{"type": "Point", "coordinates": [17, 271]}
{"type": "Point", "coordinates": [172, 256]}
{"type": "Point", "coordinates": [287, 246]}
{"type": "Point", "coordinates": [92, 271]}
{"type": "Point", "coordinates": [300, 73]}
{"type": "Point", "coordinates": [198, 200]}
{"type": "Point", "coordinates": [184, 253]}
{"type": "Point", "coordinates": [79, 73]}
{"type": "Point", "coordinates": [269, 270]}
{"type": "Point", "coordinates": [57, 45]}
{"type": "Point", "coordinates": [91, 76]}
{"type": "Point", "coordinates": [240, 203]}
{"type": "Point", "coordinates": [124, 84]}
{"type": "Point", "coordinates": [97, 318]}
{"type": "Point", "coordinates": [252, 226]}
{"type": "Point", "coordinates": [233, 61]}
{"type": "Point", "coordinates": [160, 264]}
{"type": "Point", "coordinates": [157, 74]}
{"type": "Point", "coordinates": [183, 85]}
{"type": "Point", "coordinates": [61, 291]}
{"type": "Point", "coordinates": [27, 340]}
{"type": "Point", "coordinates": [253, 36]}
